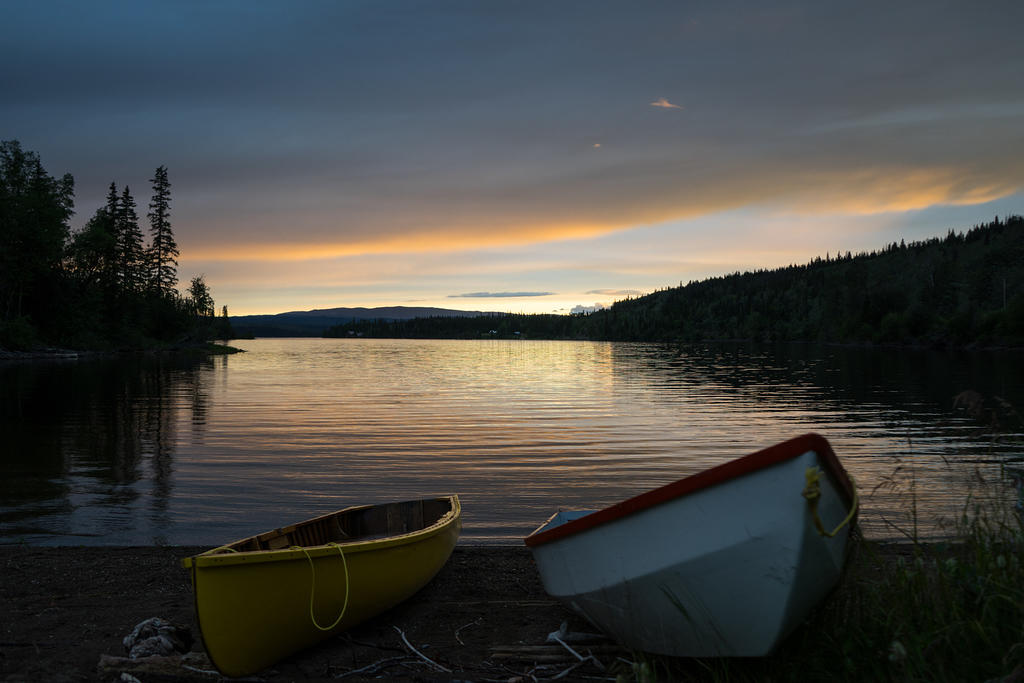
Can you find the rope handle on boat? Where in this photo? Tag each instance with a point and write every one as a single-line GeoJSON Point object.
{"type": "Point", "coordinates": [812, 492]}
{"type": "Point", "coordinates": [312, 586]}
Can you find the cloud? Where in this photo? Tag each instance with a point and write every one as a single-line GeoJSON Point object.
{"type": "Point", "coordinates": [616, 292]}
{"type": "Point", "coordinates": [588, 309]}
{"type": "Point", "coordinates": [496, 295]}
{"type": "Point", "coordinates": [431, 153]}
{"type": "Point", "coordinates": [664, 104]}
{"type": "Point", "coordinates": [267, 165]}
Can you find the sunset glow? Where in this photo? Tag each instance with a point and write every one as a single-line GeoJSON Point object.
{"type": "Point", "coordinates": [388, 154]}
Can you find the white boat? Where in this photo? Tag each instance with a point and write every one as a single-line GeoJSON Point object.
{"type": "Point", "coordinates": [723, 563]}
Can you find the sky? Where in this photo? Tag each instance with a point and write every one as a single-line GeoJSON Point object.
{"type": "Point", "coordinates": [525, 156]}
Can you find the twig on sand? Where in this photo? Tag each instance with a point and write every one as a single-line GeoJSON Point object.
{"type": "Point", "coordinates": [196, 669]}
{"type": "Point", "coordinates": [459, 629]}
{"type": "Point", "coordinates": [575, 666]}
{"type": "Point", "coordinates": [516, 675]}
{"type": "Point", "coordinates": [373, 668]}
{"type": "Point", "coordinates": [376, 646]}
{"type": "Point", "coordinates": [577, 655]}
{"type": "Point", "coordinates": [422, 656]}
{"type": "Point", "coordinates": [568, 636]}
{"type": "Point", "coordinates": [569, 670]}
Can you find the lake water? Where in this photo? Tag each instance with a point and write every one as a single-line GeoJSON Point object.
{"type": "Point", "coordinates": [207, 450]}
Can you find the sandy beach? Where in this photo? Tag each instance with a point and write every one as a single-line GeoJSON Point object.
{"type": "Point", "coordinates": [484, 617]}
{"type": "Point", "coordinates": [64, 612]}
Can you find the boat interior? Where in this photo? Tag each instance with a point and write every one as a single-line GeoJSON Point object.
{"type": "Point", "coordinates": [352, 524]}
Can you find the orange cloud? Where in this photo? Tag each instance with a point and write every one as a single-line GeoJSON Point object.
{"type": "Point", "coordinates": [664, 104]}
{"type": "Point", "coordinates": [606, 208]}
{"type": "Point", "coordinates": [438, 241]}
{"type": "Point", "coordinates": [895, 190]}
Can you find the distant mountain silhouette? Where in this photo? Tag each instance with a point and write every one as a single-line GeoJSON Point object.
{"type": "Point", "coordinates": [313, 323]}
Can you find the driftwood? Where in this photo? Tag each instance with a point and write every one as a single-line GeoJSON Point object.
{"type": "Point", "coordinates": [460, 629]}
{"type": "Point", "coordinates": [191, 664]}
{"type": "Point", "coordinates": [531, 653]}
{"type": "Point", "coordinates": [557, 652]}
{"type": "Point", "coordinates": [422, 656]}
{"type": "Point", "coordinates": [377, 666]}
{"type": "Point", "coordinates": [564, 635]}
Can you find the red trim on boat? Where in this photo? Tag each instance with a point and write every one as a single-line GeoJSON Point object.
{"type": "Point", "coordinates": [733, 469]}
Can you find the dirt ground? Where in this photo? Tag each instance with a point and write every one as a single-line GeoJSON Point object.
{"type": "Point", "coordinates": [485, 617]}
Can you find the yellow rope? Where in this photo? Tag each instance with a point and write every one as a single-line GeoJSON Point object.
{"type": "Point", "coordinates": [812, 492]}
{"type": "Point", "coordinates": [312, 586]}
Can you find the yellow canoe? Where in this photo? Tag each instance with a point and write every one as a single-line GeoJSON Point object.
{"type": "Point", "coordinates": [262, 598]}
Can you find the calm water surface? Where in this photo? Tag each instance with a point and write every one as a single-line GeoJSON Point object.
{"type": "Point", "coordinates": [204, 451]}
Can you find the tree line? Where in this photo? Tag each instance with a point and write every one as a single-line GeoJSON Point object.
{"type": "Point", "coordinates": [966, 288]}
{"type": "Point", "coordinates": [101, 287]}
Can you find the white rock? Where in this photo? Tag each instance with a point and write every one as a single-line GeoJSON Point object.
{"type": "Point", "coordinates": [156, 636]}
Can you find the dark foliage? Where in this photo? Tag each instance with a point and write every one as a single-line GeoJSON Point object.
{"type": "Point", "coordinates": [963, 289]}
{"type": "Point", "coordinates": [98, 288]}
{"type": "Point", "coordinates": [163, 250]}
{"type": "Point", "coordinates": [34, 213]}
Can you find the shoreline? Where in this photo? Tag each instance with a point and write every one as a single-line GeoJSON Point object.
{"type": "Point", "coordinates": [67, 607]}
{"type": "Point", "coordinates": [484, 616]}
{"type": "Point", "coordinates": [56, 354]}
{"type": "Point", "coordinates": [217, 348]}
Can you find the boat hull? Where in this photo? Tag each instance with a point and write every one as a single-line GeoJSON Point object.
{"type": "Point", "coordinates": [256, 607]}
{"type": "Point", "coordinates": [722, 570]}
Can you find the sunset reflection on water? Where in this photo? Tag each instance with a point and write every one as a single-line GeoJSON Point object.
{"type": "Point", "coordinates": [203, 452]}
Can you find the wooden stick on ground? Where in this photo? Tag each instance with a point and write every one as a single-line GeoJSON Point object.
{"type": "Point", "coordinates": [459, 629]}
{"type": "Point", "coordinates": [373, 668]}
{"type": "Point", "coordinates": [420, 654]}
{"type": "Point", "coordinates": [575, 654]}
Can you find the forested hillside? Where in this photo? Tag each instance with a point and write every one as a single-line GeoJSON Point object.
{"type": "Point", "coordinates": [966, 288]}
{"type": "Point", "coordinates": [101, 287]}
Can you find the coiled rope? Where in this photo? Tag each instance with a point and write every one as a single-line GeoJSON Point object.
{"type": "Point", "coordinates": [812, 492]}
{"type": "Point", "coordinates": [312, 586]}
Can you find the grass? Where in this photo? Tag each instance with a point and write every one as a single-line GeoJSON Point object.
{"type": "Point", "coordinates": [909, 611]}
{"type": "Point", "coordinates": [927, 612]}
{"type": "Point", "coordinates": [950, 611]}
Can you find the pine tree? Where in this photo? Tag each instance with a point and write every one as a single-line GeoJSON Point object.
{"type": "Point", "coordinates": [92, 252]}
{"type": "Point", "coordinates": [128, 239]}
{"type": "Point", "coordinates": [163, 250]}
{"type": "Point", "coordinates": [111, 216]}
{"type": "Point", "coordinates": [200, 298]}
{"type": "Point", "coordinates": [34, 212]}
{"type": "Point", "coordinates": [113, 203]}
